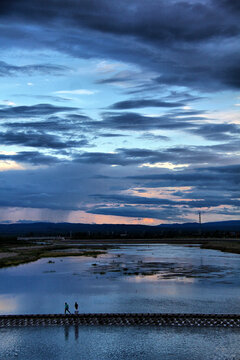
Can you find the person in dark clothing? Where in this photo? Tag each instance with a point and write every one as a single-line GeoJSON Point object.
{"type": "Point", "coordinates": [76, 307]}
{"type": "Point", "coordinates": [67, 308]}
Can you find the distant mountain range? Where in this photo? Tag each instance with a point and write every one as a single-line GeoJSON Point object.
{"type": "Point", "coordinates": [47, 228]}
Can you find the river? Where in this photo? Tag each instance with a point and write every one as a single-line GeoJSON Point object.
{"type": "Point", "coordinates": [136, 278]}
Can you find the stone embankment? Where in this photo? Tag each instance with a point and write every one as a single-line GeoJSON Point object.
{"type": "Point", "coordinates": [138, 319]}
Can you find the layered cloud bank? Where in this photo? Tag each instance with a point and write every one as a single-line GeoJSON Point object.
{"type": "Point", "coordinates": [119, 112]}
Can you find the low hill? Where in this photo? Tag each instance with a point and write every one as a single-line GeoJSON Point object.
{"type": "Point", "coordinates": [110, 230]}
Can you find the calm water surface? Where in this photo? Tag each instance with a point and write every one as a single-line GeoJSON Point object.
{"type": "Point", "coordinates": [156, 278]}
{"type": "Point", "coordinates": [110, 343]}
{"type": "Point", "coordinates": [179, 279]}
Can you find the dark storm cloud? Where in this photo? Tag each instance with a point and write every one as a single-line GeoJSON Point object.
{"type": "Point", "coordinates": [136, 212]}
{"type": "Point", "coordinates": [53, 124]}
{"type": "Point", "coordinates": [134, 104]}
{"type": "Point", "coordinates": [167, 43]}
{"type": "Point", "coordinates": [189, 121]}
{"type": "Point", "coordinates": [49, 125]}
{"type": "Point", "coordinates": [39, 189]}
{"type": "Point", "coordinates": [233, 169]}
{"type": "Point", "coordinates": [62, 187]}
{"type": "Point", "coordinates": [31, 157]}
{"type": "Point", "coordinates": [226, 75]}
{"type": "Point", "coordinates": [176, 155]}
{"type": "Point", "coordinates": [31, 111]}
{"type": "Point", "coordinates": [39, 140]}
{"type": "Point", "coordinates": [127, 199]}
{"type": "Point", "coordinates": [53, 132]}
{"type": "Point", "coordinates": [141, 200]}
{"type": "Point", "coordinates": [218, 132]}
{"type": "Point", "coordinates": [215, 178]}
{"type": "Point", "coordinates": [130, 121]}
{"type": "Point", "coordinates": [167, 19]}
{"type": "Point", "coordinates": [102, 158]}
{"type": "Point", "coordinates": [48, 69]}
{"type": "Point", "coordinates": [228, 147]}
{"type": "Point", "coordinates": [177, 40]}
{"type": "Point", "coordinates": [231, 5]}
{"type": "Point", "coordinates": [126, 121]}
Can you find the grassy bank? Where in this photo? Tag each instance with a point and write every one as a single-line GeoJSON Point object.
{"type": "Point", "coordinates": [226, 246]}
{"type": "Point", "coordinates": [12, 256]}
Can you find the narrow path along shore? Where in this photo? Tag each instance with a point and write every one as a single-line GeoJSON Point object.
{"type": "Point", "coordinates": [122, 319]}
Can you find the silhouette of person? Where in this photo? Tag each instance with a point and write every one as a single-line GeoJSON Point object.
{"type": "Point", "coordinates": [67, 308]}
{"type": "Point", "coordinates": [76, 307]}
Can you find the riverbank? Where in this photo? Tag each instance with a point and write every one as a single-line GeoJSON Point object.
{"type": "Point", "coordinates": [13, 253]}
{"type": "Point", "coordinates": [13, 256]}
{"type": "Point", "coordinates": [136, 278]}
{"type": "Point", "coordinates": [149, 241]}
{"type": "Point", "coordinates": [225, 246]}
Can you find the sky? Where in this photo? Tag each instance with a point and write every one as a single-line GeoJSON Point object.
{"type": "Point", "coordinates": [119, 111]}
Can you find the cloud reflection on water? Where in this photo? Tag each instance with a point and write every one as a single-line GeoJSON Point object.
{"type": "Point", "coordinates": [7, 304]}
{"type": "Point", "coordinates": [157, 277]}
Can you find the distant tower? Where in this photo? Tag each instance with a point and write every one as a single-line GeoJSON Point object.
{"type": "Point", "coordinates": [200, 218]}
{"type": "Point", "coordinates": [200, 222]}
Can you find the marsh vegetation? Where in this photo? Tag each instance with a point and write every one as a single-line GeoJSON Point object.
{"type": "Point", "coordinates": [14, 253]}
{"type": "Point", "coordinates": [225, 246]}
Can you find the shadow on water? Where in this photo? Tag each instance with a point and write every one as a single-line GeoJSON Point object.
{"type": "Point", "coordinates": [67, 329]}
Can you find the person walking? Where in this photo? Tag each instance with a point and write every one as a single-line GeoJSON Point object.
{"type": "Point", "coordinates": [76, 307]}
{"type": "Point", "coordinates": [67, 308]}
